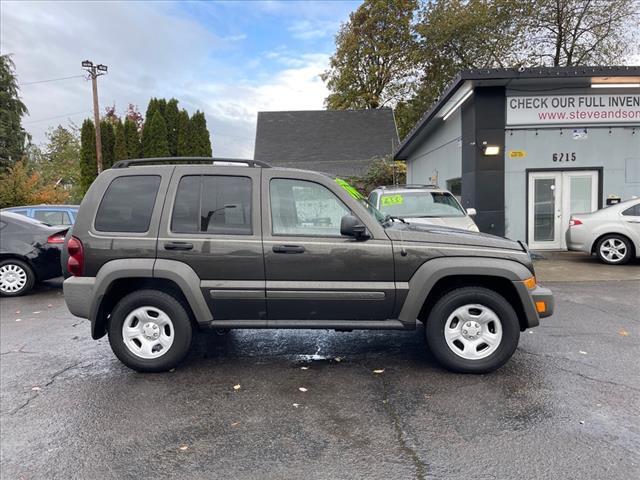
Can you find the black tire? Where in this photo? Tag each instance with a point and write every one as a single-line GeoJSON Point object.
{"type": "Point", "coordinates": [182, 330]}
{"type": "Point", "coordinates": [615, 240]}
{"type": "Point", "coordinates": [444, 308]}
{"type": "Point", "coordinates": [30, 277]}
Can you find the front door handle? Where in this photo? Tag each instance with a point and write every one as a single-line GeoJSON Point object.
{"type": "Point", "coordinates": [178, 246]}
{"type": "Point", "coordinates": [288, 249]}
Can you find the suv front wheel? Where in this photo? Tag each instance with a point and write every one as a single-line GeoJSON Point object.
{"type": "Point", "coordinates": [150, 331]}
{"type": "Point", "coordinates": [472, 330]}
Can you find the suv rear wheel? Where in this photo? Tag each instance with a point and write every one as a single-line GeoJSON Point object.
{"type": "Point", "coordinates": [472, 330]}
{"type": "Point", "coordinates": [150, 331]}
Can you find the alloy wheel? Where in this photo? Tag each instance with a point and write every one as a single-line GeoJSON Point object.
{"type": "Point", "coordinates": [613, 250]}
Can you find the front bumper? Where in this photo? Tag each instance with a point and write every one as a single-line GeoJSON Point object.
{"type": "Point", "coordinates": [537, 303]}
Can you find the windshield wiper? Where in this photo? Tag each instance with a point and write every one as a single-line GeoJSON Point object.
{"type": "Point", "coordinates": [391, 217]}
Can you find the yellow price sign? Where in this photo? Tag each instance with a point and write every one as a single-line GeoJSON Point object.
{"type": "Point", "coordinates": [388, 200]}
{"type": "Point", "coordinates": [517, 154]}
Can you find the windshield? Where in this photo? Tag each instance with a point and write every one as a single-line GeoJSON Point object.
{"type": "Point", "coordinates": [420, 205]}
{"type": "Point", "coordinates": [379, 216]}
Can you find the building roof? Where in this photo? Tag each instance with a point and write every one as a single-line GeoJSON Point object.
{"type": "Point", "coordinates": [558, 77]}
{"type": "Point", "coordinates": [339, 142]}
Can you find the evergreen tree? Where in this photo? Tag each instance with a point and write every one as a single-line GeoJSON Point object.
{"type": "Point", "coordinates": [13, 137]}
{"type": "Point", "coordinates": [120, 142]}
{"type": "Point", "coordinates": [107, 136]}
{"type": "Point", "coordinates": [132, 139]}
{"type": "Point", "coordinates": [199, 141]}
{"type": "Point", "coordinates": [88, 167]}
{"type": "Point", "coordinates": [151, 109]}
{"type": "Point", "coordinates": [183, 137]}
{"type": "Point", "coordinates": [154, 138]}
{"type": "Point", "coordinates": [171, 115]}
{"type": "Point", "coordinates": [162, 106]}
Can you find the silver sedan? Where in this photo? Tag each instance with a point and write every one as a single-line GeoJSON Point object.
{"type": "Point", "coordinates": [613, 233]}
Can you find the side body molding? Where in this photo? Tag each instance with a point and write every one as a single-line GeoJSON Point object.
{"type": "Point", "coordinates": [186, 278]}
{"type": "Point", "coordinates": [431, 271]}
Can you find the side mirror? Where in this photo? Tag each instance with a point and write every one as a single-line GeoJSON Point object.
{"type": "Point", "coordinates": [471, 212]}
{"type": "Point", "coordinates": [350, 226]}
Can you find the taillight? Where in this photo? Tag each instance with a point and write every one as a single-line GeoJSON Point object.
{"type": "Point", "coordinates": [57, 237]}
{"type": "Point", "coordinates": [75, 264]}
{"type": "Point", "coordinates": [574, 221]}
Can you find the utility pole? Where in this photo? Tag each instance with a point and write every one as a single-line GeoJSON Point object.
{"type": "Point", "coordinates": [94, 72]}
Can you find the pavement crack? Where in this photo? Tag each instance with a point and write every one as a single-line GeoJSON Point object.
{"type": "Point", "coordinates": [421, 468]}
{"type": "Point", "coordinates": [52, 379]}
{"type": "Point", "coordinates": [17, 350]}
{"type": "Point", "coordinates": [573, 372]}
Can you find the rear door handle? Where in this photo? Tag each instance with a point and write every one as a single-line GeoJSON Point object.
{"type": "Point", "coordinates": [178, 246]}
{"type": "Point", "coordinates": [288, 249]}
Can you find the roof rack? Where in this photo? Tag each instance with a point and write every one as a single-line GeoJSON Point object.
{"type": "Point", "coordinates": [411, 185]}
{"type": "Point", "coordinates": [189, 160]}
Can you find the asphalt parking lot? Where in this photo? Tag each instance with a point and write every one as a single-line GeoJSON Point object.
{"type": "Point", "coordinates": [566, 406]}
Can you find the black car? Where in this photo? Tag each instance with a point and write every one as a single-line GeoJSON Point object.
{"type": "Point", "coordinates": [29, 253]}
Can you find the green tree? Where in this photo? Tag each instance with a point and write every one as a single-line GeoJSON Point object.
{"type": "Point", "coordinates": [382, 171]}
{"type": "Point", "coordinates": [120, 142]}
{"type": "Point", "coordinates": [132, 139]}
{"type": "Point", "coordinates": [184, 135]}
{"type": "Point", "coordinates": [13, 138]}
{"type": "Point", "coordinates": [108, 139]}
{"type": "Point", "coordinates": [154, 138]}
{"type": "Point", "coordinates": [373, 65]}
{"type": "Point", "coordinates": [88, 167]}
{"type": "Point", "coordinates": [199, 139]}
{"type": "Point", "coordinates": [171, 115]}
{"type": "Point", "coordinates": [152, 107]}
{"type": "Point", "coordinates": [59, 161]}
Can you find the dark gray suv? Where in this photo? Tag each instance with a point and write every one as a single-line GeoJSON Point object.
{"type": "Point", "coordinates": [164, 247]}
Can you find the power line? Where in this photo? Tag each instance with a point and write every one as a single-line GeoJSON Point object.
{"type": "Point", "coordinates": [51, 80]}
{"type": "Point", "coordinates": [57, 116]}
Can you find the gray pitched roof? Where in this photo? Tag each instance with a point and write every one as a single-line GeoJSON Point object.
{"type": "Point", "coordinates": [339, 142]}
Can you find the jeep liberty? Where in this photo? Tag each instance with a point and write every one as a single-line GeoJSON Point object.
{"type": "Point", "coordinates": [162, 248]}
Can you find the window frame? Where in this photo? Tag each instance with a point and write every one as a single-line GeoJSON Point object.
{"type": "Point", "coordinates": [198, 233]}
{"type": "Point", "coordinates": [303, 235]}
{"type": "Point", "coordinates": [153, 207]}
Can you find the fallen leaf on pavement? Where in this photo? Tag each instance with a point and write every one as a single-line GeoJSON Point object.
{"type": "Point", "coordinates": [35, 313]}
{"type": "Point", "coordinates": [236, 387]}
{"type": "Point", "coordinates": [18, 319]}
{"type": "Point", "coordinates": [583, 352]}
{"type": "Point", "coordinates": [623, 332]}
{"type": "Point", "coordinates": [302, 389]}
{"type": "Point", "coordinates": [36, 389]}
{"type": "Point", "coordinates": [380, 370]}
{"type": "Point", "coordinates": [304, 368]}
{"type": "Point", "coordinates": [296, 405]}
{"type": "Point", "coordinates": [49, 306]}
{"type": "Point", "coordinates": [235, 424]}
{"type": "Point", "coordinates": [338, 359]}
{"type": "Point", "coordinates": [183, 447]}
{"type": "Point", "coordinates": [17, 312]}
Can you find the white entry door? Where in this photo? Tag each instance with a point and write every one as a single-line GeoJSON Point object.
{"type": "Point", "coordinates": [553, 197]}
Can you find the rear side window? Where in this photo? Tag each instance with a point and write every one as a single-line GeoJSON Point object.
{"type": "Point", "coordinates": [52, 217]}
{"type": "Point", "coordinates": [633, 211]}
{"type": "Point", "coordinates": [217, 204]}
{"type": "Point", "coordinates": [127, 204]}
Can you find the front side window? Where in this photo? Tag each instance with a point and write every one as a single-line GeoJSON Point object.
{"type": "Point", "coordinates": [299, 207]}
{"type": "Point", "coordinates": [127, 204]}
{"type": "Point", "coordinates": [420, 205]}
{"type": "Point", "coordinates": [214, 204]}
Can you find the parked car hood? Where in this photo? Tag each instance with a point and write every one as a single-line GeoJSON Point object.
{"type": "Point", "coordinates": [411, 232]}
{"type": "Point", "coordinates": [455, 222]}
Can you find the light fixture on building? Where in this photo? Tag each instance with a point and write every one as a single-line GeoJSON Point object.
{"type": "Point", "coordinates": [615, 82]}
{"type": "Point", "coordinates": [491, 150]}
{"type": "Point", "coordinates": [457, 105]}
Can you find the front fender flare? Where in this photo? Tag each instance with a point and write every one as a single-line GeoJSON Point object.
{"type": "Point", "coordinates": [430, 272]}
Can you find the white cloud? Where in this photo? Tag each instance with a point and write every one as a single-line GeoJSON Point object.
{"type": "Point", "coordinates": [312, 29]}
{"type": "Point", "coordinates": [150, 51]}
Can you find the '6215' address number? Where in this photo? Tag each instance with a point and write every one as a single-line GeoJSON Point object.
{"type": "Point", "coordinates": [564, 157]}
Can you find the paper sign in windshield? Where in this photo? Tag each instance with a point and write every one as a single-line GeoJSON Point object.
{"type": "Point", "coordinates": [388, 200]}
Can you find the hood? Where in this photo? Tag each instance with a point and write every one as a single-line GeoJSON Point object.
{"type": "Point", "coordinates": [429, 233]}
{"type": "Point", "coordinates": [463, 222]}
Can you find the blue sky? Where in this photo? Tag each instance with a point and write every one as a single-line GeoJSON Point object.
{"type": "Point", "coordinates": [228, 59]}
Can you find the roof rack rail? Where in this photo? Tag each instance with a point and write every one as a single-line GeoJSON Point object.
{"type": "Point", "coordinates": [411, 185]}
{"type": "Point", "coordinates": [189, 160]}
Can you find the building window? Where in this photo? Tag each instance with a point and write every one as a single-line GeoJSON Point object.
{"type": "Point", "coordinates": [454, 185]}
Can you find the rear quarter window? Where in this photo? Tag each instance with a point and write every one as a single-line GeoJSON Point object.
{"type": "Point", "coordinates": [127, 204]}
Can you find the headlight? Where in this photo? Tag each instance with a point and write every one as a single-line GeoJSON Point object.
{"type": "Point", "coordinates": [473, 228]}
